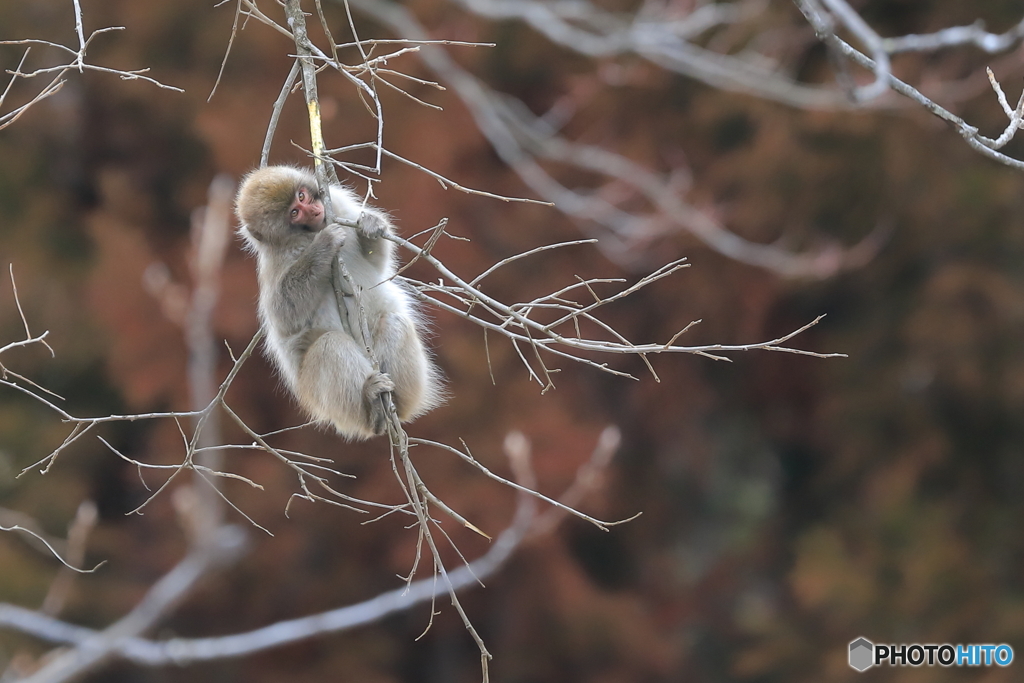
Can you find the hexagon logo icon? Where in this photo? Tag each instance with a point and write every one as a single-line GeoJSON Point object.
{"type": "Point", "coordinates": [862, 654]}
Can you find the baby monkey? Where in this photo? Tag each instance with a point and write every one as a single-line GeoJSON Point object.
{"type": "Point", "coordinates": [318, 352]}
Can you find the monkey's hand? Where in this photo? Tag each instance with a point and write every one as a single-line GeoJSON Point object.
{"type": "Point", "coordinates": [332, 235]}
{"type": "Point", "coordinates": [372, 226]}
{"type": "Point", "coordinates": [376, 384]}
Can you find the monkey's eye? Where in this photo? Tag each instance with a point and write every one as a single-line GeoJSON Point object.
{"type": "Point", "coordinates": [302, 195]}
{"type": "Point", "coordinates": [295, 213]}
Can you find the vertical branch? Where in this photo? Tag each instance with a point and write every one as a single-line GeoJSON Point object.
{"type": "Point", "coordinates": [80, 59]}
{"type": "Point", "coordinates": [371, 84]}
{"type": "Point", "coordinates": [347, 295]}
{"type": "Point", "coordinates": [325, 175]}
{"type": "Point", "coordinates": [275, 115]}
{"type": "Point", "coordinates": [210, 233]}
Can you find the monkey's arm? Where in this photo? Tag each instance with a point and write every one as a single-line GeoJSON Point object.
{"type": "Point", "coordinates": [372, 226]}
{"type": "Point", "coordinates": [371, 231]}
{"type": "Point", "coordinates": [300, 290]}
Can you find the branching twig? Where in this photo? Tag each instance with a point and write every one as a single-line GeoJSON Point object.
{"type": "Point", "coordinates": [97, 647]}
{"type": "Point", "coordinates": [184, 651]}
{"type": "Point", "coordinates": [984, 145]}
{"type": "Point", "coordinates": [60, 72]}
{"type": "Point", "coordinates": [522, 139]}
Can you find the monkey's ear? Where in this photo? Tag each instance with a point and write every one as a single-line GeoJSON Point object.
{"type": "Point", "coordinates": [248, 232]}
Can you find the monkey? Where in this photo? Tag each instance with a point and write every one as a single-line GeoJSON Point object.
{"type": "Point", "coordinates": [316, 347]}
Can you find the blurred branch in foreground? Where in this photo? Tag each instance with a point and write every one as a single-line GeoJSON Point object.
{"type": "Point", "coordinates": [184, 651]}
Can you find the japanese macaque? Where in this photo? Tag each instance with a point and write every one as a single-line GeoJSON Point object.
{"type": "Point", "coordinates": [316, 346]}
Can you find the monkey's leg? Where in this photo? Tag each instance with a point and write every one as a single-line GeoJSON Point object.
{"type": "Point", "coordinates": [402, 355]}
{"type": "Point", "coordinates": [334, 380]}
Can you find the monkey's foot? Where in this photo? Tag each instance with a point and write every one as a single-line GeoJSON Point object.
{"type": "Point", "coordinates": [377, 384]}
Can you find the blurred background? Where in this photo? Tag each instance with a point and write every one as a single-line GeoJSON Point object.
{"type": "Point", "coordinates": [790, 504]}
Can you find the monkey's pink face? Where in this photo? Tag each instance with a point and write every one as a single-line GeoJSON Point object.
{"type": "Point", "coordinates": [306, 210]}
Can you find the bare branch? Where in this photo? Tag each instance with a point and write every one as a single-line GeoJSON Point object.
{"type": "Point", "coordinates": [78, 536]}
{"type": "Point", "coordinates": [864, 33]}
{"type": "Point", "coordinates": [582, 27]}
{"type": "Point", "coordinates": [513, 321]}
{"type": "Point", "coordinates": [63, 71]}
{"type": "Point", "coordinates": [96, 647]}
{"type": "Point", "coordinates": [970, 133]}
{"type": "Point", "coordinates": [227, 50]}
{"type": "Point", "coordinates": [275, 116]}
{"type": "Point", "coordinates": [1016, 115]}
{"type": "Point", "coordinates": [975, 35]}
{"type": "Point", "coordinates": [53, 551]}
{"type": "Point", "coordinates": [521, 138]}
{"type": "Point", "coordinates": [183, 651]}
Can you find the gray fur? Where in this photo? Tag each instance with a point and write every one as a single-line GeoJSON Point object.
{"type": "Point", "coordinates": [320, 361]}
